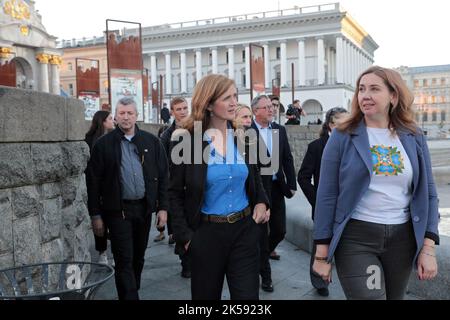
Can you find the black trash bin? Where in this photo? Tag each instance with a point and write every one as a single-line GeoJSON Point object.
{"type": "Point", "coordinates": [54, 281]}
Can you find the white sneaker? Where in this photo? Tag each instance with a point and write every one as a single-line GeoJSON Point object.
{"type": "Point", "coordinates": [103, 258]}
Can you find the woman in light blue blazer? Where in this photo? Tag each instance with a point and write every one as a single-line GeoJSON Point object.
{"type": "Point", "coordinates": [377, 206]}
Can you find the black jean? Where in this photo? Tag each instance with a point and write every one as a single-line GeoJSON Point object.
{"type": "Point", "coordinates": [223, 249]}
{"type": "Point", "coordinates": [374, 261]}
{"type": "Point", "coordinates": [264, 264]}
{"type": "Point", "coordinates": [277, 222]}
{"type": "Point", "coordinates": [129, 239]}
{"type": "Point", "coordinates": [101, 243]}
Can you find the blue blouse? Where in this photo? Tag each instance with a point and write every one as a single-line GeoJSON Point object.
{"type": "Point", "coordinates": [225, 191]}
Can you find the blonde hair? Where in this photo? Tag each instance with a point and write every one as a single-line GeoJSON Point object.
{"type": "Point", "coordinates": [240, 106]}
{"type": "Point", "coordinates": [401, 115]}
{"type": "Point", "coordinates": [206, 92]}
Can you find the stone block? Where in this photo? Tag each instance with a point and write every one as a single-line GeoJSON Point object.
{"type": "Point", "coordinates": [6, 260]}
{"type": "Point", "coordinates": [31, 116]}
{"type": "Point", "coordinates": [26, 202]}
{"type": "Point", "coordinates": [16, 167]}
{"type": "Point", "coordinates": [48, 162]}
{"type": "Point", "coordinates": [53, 251]}
{"type": "Point", "coordinates": [50, 220]}
{"type": "Point", "coordinates": [50, 191]}
{"type": "Point", "coordinates": [69, 188]}
{"type": "Point", "coordinates": [76, 125]}
{"type": "Point", "coordinates": [75, 157]}
{"type": "Point", "coordinates": [6, 218]}
{"type": "Point", "coordinates": [83, 242]}
{"type": "Point", "coordinates": [27, 241]}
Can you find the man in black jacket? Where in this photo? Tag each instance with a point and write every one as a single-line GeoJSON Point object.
{"type": "Point", "coordinates": [129, 181]}
{"type": "Point", "coordinates": [278, 185]}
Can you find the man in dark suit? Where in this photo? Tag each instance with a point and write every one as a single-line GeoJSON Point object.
{"type": "Point", "coordinates": [279, 183]}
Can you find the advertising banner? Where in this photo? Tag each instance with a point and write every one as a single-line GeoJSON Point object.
{"type": "Point", "coordinates": [257, 71]}
{"type": "Point", "coordinates": [127, 84]}
{"type": "Point", "coordinates": [91, 104]}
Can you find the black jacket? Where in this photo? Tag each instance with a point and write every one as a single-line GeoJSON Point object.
{"type": "Point", "coordinates": [186, 193]}
{"type": "Point", "coordinates": [286, 169]}
{"type": "Point", "coordinates": [104, 190]}
{"type": "Point", "coordinates": [311, 169]}
{"type": "Point", "coordinates": [166, 136]}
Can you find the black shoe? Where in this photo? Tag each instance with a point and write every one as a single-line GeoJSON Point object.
{"type": "Point", "coordinates": [185, 273]}
{"type": "Point", "coordinates": [323, 292]}
{"type": "Point", "coordinates": [171, 240]}
{"type": "Point", "coordinates": [267, 286]}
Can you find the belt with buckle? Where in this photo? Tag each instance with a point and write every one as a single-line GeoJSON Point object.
{"type": "Point", "coordinates": [232, 218]}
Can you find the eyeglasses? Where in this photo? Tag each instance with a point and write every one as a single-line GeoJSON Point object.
{"type": "Point", "coordinates": [270, 107]}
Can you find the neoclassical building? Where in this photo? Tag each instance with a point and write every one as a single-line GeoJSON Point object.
{"type": "Point", "coordinates": [28, 55]}
{"type": "Point", "coordinates": [327, 47]}
{"type": "Point", "coordinates": [431, 88]}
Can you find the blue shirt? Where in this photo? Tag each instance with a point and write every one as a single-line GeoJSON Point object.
{"type": "Point", "coordinates": [267, 135]}
{"type": "Point", "coordinates": [131, 172]}
{"type": "Point", "coordinates": [225, 191]}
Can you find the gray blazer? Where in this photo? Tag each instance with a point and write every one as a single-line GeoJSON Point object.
{"type": "Point", "coordinates": [346, 170]}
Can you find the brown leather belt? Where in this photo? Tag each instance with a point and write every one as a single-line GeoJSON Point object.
{"type": "Point", "coordinates": [232, 218]}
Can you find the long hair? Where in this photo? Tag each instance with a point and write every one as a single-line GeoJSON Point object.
{"type": "Point", "coordinates": [401, 115]}
{"type": "Point", "coordinates": [330, 117]}
{"type": "Point", "coordinates": [206, 92]}
{"type": "Point", "coordinates": [240, 106]}
{"type": "Point", "coordinates": [97, 130]}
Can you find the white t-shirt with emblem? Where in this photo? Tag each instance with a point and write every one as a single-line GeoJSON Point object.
{"type": "Point", "coordinates": [389, 195]}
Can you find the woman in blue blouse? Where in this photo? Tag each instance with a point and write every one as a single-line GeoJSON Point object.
{"type": "Point", "coordinates": [217, 199]}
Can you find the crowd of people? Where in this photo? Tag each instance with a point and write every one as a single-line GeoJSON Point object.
{"type": "Point", "coordinates": [368, 179]}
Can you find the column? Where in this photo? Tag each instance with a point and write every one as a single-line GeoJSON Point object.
{"type": "Point", "coordinates": [301, 62]}
{"type": "Point", "coordinates": [352, 64]}
{"type": "Point", "coordinates": [43, 78]}
{"type": "Point", "coordinates": [183, 72]}
{"type": "Point", "coordinates": [153, 69]}
{"type": "Point", "coordinates": [231, 62]}
{"type": "Point", "coordinates": [215, 60]}
{"type": "Point", "coordinates": [168, 73]}
{"type": "Point", "coordinates": [320, 61]}
{"type": "Point", "coordinates": [55, 62]}
{"type": "Point", "coordinates": [283, 64]}
{"type": "Point", "coordinates": [198, 64]}
{"type": "Point", "coordinates": [346, 62]}
{"type": "Point", "coordinates": [267, 65]}
{"type": "Point", "coordinates": [339, 60]}
{"type": "Point", "coordinates": [247, 67]}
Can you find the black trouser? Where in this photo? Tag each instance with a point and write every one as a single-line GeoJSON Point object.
{"type": "Point", "coordinates": [374, 261]}
{"type": "Point", "coordinates": [277, 220]}
{"type": "Point", "coordinates": [316, 280]}
{"type": "Point", "coordinates": [224, 249]}
{"type": "Point", "coordinates": [129, 239]}
{"type": "Point", "coordinates": [101, 243]}
{"type": "Point", "coordinates": [264, 265]}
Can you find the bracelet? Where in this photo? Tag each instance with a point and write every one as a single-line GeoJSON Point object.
{"type": "Point", "coordinates": [427, 254]}
{"type": "Point", "coordinates": [427, 245]}
{"type": "Point", "coordinates": [320, 258]}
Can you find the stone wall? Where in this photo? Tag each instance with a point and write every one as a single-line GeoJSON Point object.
{"type": "Point", "coordinates": [43, 196]}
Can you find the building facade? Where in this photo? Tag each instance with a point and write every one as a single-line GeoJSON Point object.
{"type": "Point", "coordinates": [431, 88]}
{"type": "Point", "coordinates": [28, 55]}
{"type": "Point", "coordinates": [326, 46]}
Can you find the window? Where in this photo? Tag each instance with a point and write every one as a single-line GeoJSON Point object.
{"type": "Point", "coordinates": [417, 117]}
{"type": "Point", "coordinates": [278, 53]}
{"type": "Point", "coordinates": [443, 115]}
{"type": "Point", "coordinates": [227, 57]}
{"type": "Point", "coordinates": [70, 66]}
{"type": "Point", "coordinates": [434, 116]}
{"type": "Point", "coordinates": [425, 117]}
{"type": "Point", "coordinates": [434, 82]}
{"type": "Point", "coordinates": [443, 81]}
{"type": "Point", "coordinates": [244, 80]}
{"type": "Point", "coordinates": [210, 59]}
{"type": "Point", "coordinates": [243, 55]}
{"type": "Point", "coordinates": [71, 89]}
{"type": "Point", "coordinates": [425, 82]}
{"type": "Point", "coordinates": [416, 83]}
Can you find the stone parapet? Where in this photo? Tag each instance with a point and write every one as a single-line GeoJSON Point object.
{"type": "Point", "coordinates": [43, 198]}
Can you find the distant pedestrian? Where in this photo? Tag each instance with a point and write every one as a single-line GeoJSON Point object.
{"type": "Point", "coordinates": [308, 179]}
{"type": "Point", "coordinates": [165, 114]}
{"type": "Point", "coordinates": [101, 124]}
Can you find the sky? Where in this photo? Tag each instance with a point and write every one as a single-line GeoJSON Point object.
{"type": "Point", "coordinates": [409, 32]}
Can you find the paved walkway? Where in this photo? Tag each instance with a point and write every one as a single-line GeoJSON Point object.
{"type": "Point", "coordinates": [161, 278]}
